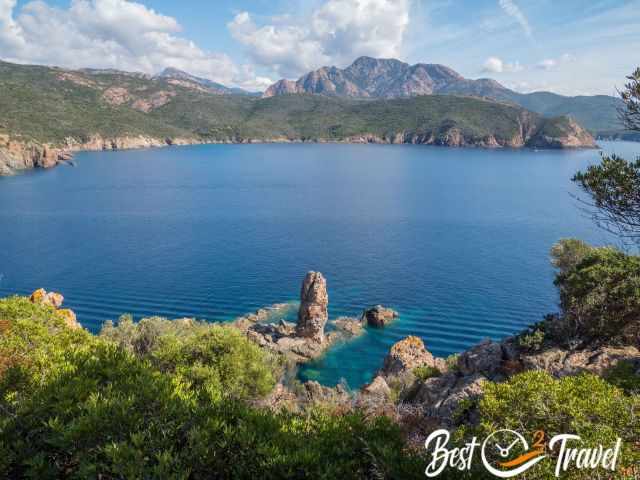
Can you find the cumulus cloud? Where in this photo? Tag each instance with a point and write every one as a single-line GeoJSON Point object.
{"type": "Point", "coordinates": [117, 34]}
{"type": "Point", "coordinates": [497, 65]}
{"type": "Point", "coordinates": [336, 32]}
{"type": "Point", "coordinates": [511, 9]}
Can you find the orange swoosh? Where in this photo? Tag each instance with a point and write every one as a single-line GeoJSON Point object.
{"type": "Point", "coordinates": [521, 459]}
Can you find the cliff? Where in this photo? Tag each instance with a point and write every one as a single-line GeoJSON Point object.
{"type": "Point", "coordinates": [16, 156]}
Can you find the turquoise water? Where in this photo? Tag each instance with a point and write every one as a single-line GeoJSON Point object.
{"type": "Point", "coordinates": [456, 240]}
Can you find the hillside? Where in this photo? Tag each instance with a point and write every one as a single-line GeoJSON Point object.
{"type": "Point", "coordinates": [48, 112]}
{"type": "Point", "coordinates": [389, 78]}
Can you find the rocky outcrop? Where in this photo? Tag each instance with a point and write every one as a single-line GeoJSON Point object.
{"type": "Point", "coordinates": [17, 155]}
{"type": "Point", "coordinates": [562, 132]}
{"type": "Point", "coordinates": [55, 300]}
{"type": "Point", "coordinates": [314, 303]}
{"type": "Point", "coordinates": [378, 316]}
{"type": "Point", "coordinates": [439, 396]}
{"type": "Point", "coordinates": [561, 362]}
{"type": "Point", "coordinates": [307, 339]}
{"type": "Point", "coordinates": [371, 77]}
{"type": "Point", "coordinates": [408, 354]}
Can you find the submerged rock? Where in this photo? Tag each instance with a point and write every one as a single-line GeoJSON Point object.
{"type": "Point", "coordinates": [314, 302]}
{"type": "Point", "coordinates": [378, 316]}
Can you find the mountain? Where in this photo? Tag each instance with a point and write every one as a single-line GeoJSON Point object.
{"type": "Point", "coordinates": [389, 78]}
{"type": "Point", "coordinates": [47, 113]}
{"type": "Point", "coordinates": [178, 77]}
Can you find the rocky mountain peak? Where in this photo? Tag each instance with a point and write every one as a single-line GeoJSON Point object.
{"type": "Point", "coordinates": [372, 77]}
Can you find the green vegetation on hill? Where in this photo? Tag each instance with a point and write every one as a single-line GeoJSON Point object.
{"type": "Point", "coordinates": [50, 105]}
{"type": "Point", "coordinates": [36, 103]}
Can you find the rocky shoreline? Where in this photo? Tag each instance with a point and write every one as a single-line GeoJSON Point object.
{"type": "Point", "coordinates": [18, 155]}
{"type": "Point", "coordinates": [411, 382]}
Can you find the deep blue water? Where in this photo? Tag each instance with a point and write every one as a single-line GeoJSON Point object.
{"type": "Point", "coordinates": [456, 240]}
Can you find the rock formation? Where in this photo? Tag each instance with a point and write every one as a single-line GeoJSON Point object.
{"type": "Point", "coordinates": [314, 302]}
{"type": "Point", "coordinates": [378, 316]}
{"type": "Point", "coordinates": [408, 354]}
{"type": "Point", "coordinates": [307, 339]}
{"type": "Point", "coordinates": [55, 300]}
{"type": "Point", "coordinates": [462, 378]}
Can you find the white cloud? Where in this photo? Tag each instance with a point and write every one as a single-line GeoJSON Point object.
{"type": "Point", "coordinates": [497, 65]}
{"type": "Point", "coordinates": [336, 32]}
{"type": "Point", "coordinates": [117, 34]}
{"type": "Point", "coordinates": [553, 63]}
{"type": "Point", "coordinates": [511, 9]}
{"type": "Point", "coordinates": [547, 64]}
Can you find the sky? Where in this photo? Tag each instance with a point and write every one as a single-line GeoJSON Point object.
{"type": "Point", "coordinates": [571, 47]}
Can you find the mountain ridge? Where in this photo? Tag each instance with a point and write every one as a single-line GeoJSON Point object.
{"type": "Point", "coordinates": [48, 113]}
{"type": "Point", "coordinates": [171, 73]}
{"type": "Point", "coordinates": [369, 77]}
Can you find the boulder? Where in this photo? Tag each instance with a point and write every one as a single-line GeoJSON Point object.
{"type": "Point", "coordinates": [560, 363]}
{"type": "Point", "coordinates": [440, 397]}
{"type": "Point", "coordinates": [378, 387]}
{"type": "Point", "coordinates": [378, 316]}
{"type": "Point", "coordinates": [51, 299]}
{"type": "Point", "coordinates": [408, 354]}
{"type": "Point", "coordinates": [313, 313]}
{"type": "Point", "coordinates": [69, 317]}
{"type": "Point", "coordinates": [55, 300]}
{"type": "Point", "coordinates": [484, 358]}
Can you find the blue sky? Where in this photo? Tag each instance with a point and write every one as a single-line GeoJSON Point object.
{"type": "Point", "coordinates": [570, 47]}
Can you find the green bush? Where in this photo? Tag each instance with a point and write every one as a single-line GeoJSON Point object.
{"type": "Point", "coordinates": [425, 372]}
{"type": "Point", "coordinates": [78, 406]}
{"type": "Point", "coordinates": [585, 405]}
{"type": "Point", "coordinates": [599, 292]}
{"type": "Point", "coordinates": [625, 375]}
{"type": "Point", "coordinates": [214, 360]}
{"type": "Point", "coordinates": [532, 339]}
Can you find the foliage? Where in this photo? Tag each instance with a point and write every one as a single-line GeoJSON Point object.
{"type": "Point", "coordinates": [600, 295]}
{"type": "Point", "coordinates": [625, 375]}
{"type": "Point", "coordinates": [613, 187]}
{"type": "Point", "coordinates": [567, 253]}
{"type": "Point", "coordinates": [613, 191]}
{"type": "Point", "coordinates": [210, 358]}
{"type": "Point", "coordinates": [452, 361]}
{"type": "Point", "coordinates": [78, 406]}
{"type": "Point", "coordinates": [425, 372]}
{"type": "Point", "coordinates": [630, 114]}
{"type": "Point", "coordinates": [584, 405]}
{"type": "Point", "coordinates": [532, 339]}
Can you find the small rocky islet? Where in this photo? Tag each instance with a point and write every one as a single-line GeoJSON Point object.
{"type": "Point", "coordinates": [410, 375]}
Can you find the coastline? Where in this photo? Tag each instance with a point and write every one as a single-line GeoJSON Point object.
{"type": "Point", "coordinates": [16, 156]}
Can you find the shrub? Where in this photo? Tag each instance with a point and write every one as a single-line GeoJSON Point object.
{"type": "Point", "coordinates": [600, 294]}
{"type": "Point", "coordinates": [425, 372]}
{"type": "Point", "coordinates": [568, 253]}
{"type": "Point", "coordinates": [532, 339]}
{"type": "Point", "coordinates": [209, 358]}
{"type": "Point", "coordinates": [78, 406]}
{"type": "Point", "coordinates": [452, 362]}
{"type": "Point", "coordinates": [625, 375]}
{"type": "Point", "coordinates": [585, 405]}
